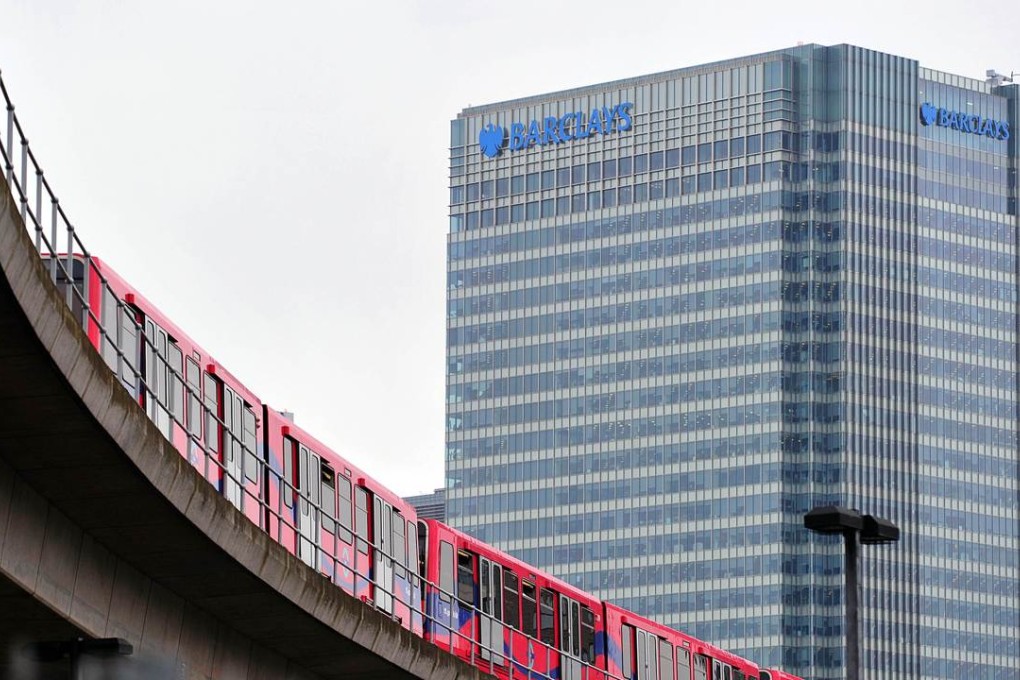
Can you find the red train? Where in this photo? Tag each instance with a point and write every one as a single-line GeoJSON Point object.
{"type": "Point", "coordinates": [482, 604]}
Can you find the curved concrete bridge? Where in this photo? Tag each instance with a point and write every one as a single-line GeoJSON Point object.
{"type": "Point", "coordinates": [105, 531]}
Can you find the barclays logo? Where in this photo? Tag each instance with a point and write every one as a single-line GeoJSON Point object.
{"type": "Point", "coordinates": [964, 122]}
{"type": "Point", "coordinates": [492, 139]}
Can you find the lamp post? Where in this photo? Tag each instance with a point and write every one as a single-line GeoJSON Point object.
{"type": "Point", "coordinates": [856, 529]}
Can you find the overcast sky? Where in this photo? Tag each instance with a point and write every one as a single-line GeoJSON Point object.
{"type": "Point", "coordinates": [273, 175]}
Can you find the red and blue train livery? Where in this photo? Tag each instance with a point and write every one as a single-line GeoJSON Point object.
{"type": "Point", "coordinates": [465, 596]}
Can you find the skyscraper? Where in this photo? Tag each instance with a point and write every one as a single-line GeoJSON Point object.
{"type": "Point", "coordinates": [686, 308]}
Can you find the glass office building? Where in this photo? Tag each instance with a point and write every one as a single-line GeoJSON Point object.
{"type": "Point", "coordinates": [686, 308]}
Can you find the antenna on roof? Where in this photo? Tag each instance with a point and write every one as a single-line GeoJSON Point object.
{"type": "Point", "coordinates": [995, 79]}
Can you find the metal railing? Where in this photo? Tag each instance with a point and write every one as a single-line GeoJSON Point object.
{"type": "Point", "coordinates": [58, 243]}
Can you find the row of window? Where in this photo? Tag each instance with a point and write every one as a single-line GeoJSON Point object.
{"type": "Point", "coordinates": [473, 220]}
{"type": "Point", "coordinates": [610, 343]}
{"type": "Point", "coordinates": [786, 171]}
{"type": "Point", "coordinates": [948, 459]}
{"type": "Point", "coordinates": [648, 397]}
{"type": "Point", "coordinates": [626, 166]}
{"type": "Point", "coordinates": [638, 369]}
{"type": "Point", "coordinates": [743, 416]}
{"type": "Point", "coordinates": [725, 237]}
{"type": "Point", "coordinates": [678, 275]}
{"type": "Point", "coordinates": [639, 310]}
{"type": "Point", "coordinates": [717, 388]}
{"type": "Point", "coordinates": [967, 225]}
{"type": "Point", "coordinates": [648, 279]}
{"type": "Point", "coordinates": [707, 359]}
{"type": "Point", "coordinates": [757, 234]}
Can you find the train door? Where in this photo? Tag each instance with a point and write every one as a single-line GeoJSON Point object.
{"type": "Point", "coordinates": [720, 670]}
{"type": "Point", "coordinates": [647, 656]}
{"type": "Point", "coordinates": [308, 525]}
{"type": "Point", "coordinates": [490, 579]}
{"type": "Point", "coordinates": [700, 667]}
{"type": "Point", "coordinates": [345, 535]}
{"type": "Point", "coordinates": [570, 639]}
{"type": "Point", "coordinates": [327, 521]}
{"type": "Point", "coordinates": [157, 378]}
{"type": "Point", "coordinates": [683, 663]}
{"type": "Point", "coordinates": [413, 577]}
{"type": "Point", "coordinates": [231, 448]}
{"type": "Point", "coordinates": [382, 564]}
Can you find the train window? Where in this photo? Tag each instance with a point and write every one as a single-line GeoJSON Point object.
{"type": "Point", "coordinates": [587, 635]}
{"type": "Point", "coordinates": [345, 515]}
{"type": "Point", "coordinates": [311, 488]}
{"type": "Point", "coordinates": [548, 616]}
{"type": "Point", "coordinates": [575, 630]}
{"type": "Point", "coordinates": [176, 384]}
{"type": "Point", "coordinates": [423, 542]}
{"type": "Point", "coordinates": [412, 547]}
{"type": "Point", "coordinates": [328, 493]}
{"type": "Point", "coordinates": [466, 578]}
{"type": "Point", "coordinates": [511, 604]}
{"type": "Point", "coordinates": [497, 591]}
{"type": "Point", "coordinates": [700, 667]}
{"type": "Point", "coordinates": [108, 321]}
{"type": "Point", "coordinates": [683, 664]}
{"type": "Point", "coordinates": [665, 660]}
{"type": "Point", "coordinates": [564, 624]}
{"type": "Point", "coordinates": [529, 609]}
{"type": "Point", "coordinates": [627, 642]}
{"type": "Point", "coordinates": [361, 520]}
{"type": "Point", "coordinates": [287, 489]}
{"type": "Point", "coordinates": [399, 547]}
{"type": "Point", "coordinates": [210, 390]}
{"type": "Point", "coordinates": [149, 368]}
{"type": "Point", "coordinates": [193, 377]}
{"type": "Point", "coordinates": [251, 463]}
{"type": "Point", "coordinates": [161, 382]}
{"type": "Point", "coordinates": [132, 347]}
{"type": "Point", "coordinates": [445, 569]}
{"type": "Point", "coordinates": [738, 675]}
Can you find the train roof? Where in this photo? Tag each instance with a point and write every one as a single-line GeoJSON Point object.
{"type": "Point", "coordinates": [125, 289]}
{"type": "Point", "coordinates": [341, 464]}
{"type": "Point", "coordinates": [696, 644]}
{"type": "Point", "coordinates": [521, 567]}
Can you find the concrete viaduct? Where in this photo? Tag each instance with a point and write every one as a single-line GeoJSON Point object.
{"type": "Point", "coordinates": [105, 531]}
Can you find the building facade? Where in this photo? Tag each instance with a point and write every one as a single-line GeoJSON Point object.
{"type": "Point", "coordinates": [688, 307]}
{"type": "Point", "coordinates": [430, 505]}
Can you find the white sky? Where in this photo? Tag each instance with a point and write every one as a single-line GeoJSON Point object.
{"type": "Point", "coordinates": [273, 175]}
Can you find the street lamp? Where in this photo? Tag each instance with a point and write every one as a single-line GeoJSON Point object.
{"type": "Point", "coordinates": [856, 529]}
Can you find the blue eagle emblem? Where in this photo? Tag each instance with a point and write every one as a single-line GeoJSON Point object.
{"type": "Point", "coordinates": [928, 113]}
{"type": "Point", "coordinates": [491, 138]}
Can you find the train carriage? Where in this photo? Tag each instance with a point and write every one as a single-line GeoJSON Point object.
{"type": "Point", "coordinates": [342, 522]}
{"type": "Point", "coordinates": [487, 607]}
{"type": "Point", "coordinates": [211, 418]}
{"type": "Point", "coordinates": [645, 650]}
{"type": "Point", "coordinates": [773, 674]}
{"type": "Point", "coordinates": [504, 615]}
